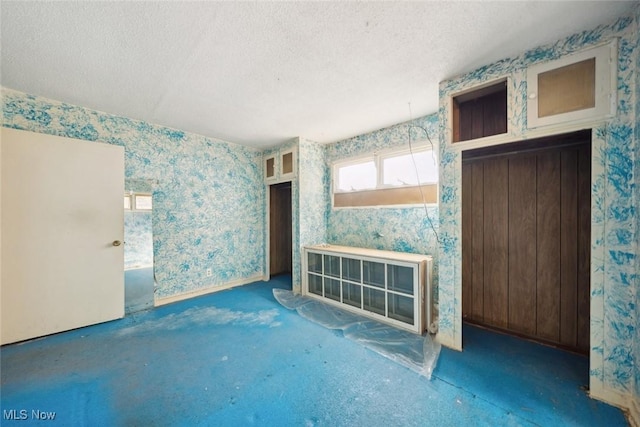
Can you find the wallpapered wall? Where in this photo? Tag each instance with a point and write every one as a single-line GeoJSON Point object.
{"type": "Point", "coordinates": [138, 237]}
{"type": "Point", "coordinates": [308, 198]}
{"type": "Point", "coordinates": [313, 196]}
{"type": "Point", "coordinates": [637, 235]}
{"type": "Point", "coordinates": [613, 357]}
{"type": "Point", "coordinates": [209, 199]}
{"type": "Point", "coordinates": [208, 194]}
{"type": "Point", "coordinates": [408, 229]}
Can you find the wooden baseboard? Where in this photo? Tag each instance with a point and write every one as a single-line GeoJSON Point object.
{"type": "Point", "coordinates": [208, 290]}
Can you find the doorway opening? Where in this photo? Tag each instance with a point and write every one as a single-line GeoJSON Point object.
{"type": "Point", "coordinates": [526, 239]}
{"type": "Point", "coordinates": [139, 282]}
{"type": "Point", "coordinates": [280, 233]}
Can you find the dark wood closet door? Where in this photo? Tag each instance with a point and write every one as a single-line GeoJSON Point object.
{"type": "Point", "coordinates": [280, 228]}
{"type": "Point", "coordinates": [526, 240]}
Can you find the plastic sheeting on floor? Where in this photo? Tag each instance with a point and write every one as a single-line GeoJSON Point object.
{"type": "Point", "coordinates": [416, 352]}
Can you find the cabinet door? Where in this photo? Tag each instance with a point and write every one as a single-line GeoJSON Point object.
{"type": "Point", "coordinates": [287, 164]}
{"type": "Point", "coordinates": [578, 87]}
{"type": "Point", "coordinates": [270, 168]}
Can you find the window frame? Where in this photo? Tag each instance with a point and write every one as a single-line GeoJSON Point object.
{"type": "Point", "coordinates": [352, 162]}
{"type": "Point", "coordinates": [378, 158]}
{"type": "Point", "coordinates": [422, 148]}
{"type": "Point", "coordinates": [133, 207]}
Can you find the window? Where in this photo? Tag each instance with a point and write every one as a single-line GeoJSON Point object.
{"type": "Point", "coordinates": [357, 176]}
{"type": "Point", "coordinates": [143, 202]}
{"type": "Point", "coordinates": [407, 169]}
{"type": "Point", "coordinates": [389, 178]}
{"type": "Point", "coordinates": [138, 201]}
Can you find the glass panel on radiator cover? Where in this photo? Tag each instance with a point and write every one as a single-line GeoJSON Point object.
{"type": "Point", "coordinates": [315, 263]}
{"type": "Point", "coordinates": [332, 289]}
{"type": "Point", "coordinates": [373, 273]}
{"type": "Point", "coordinates": [374, 300]}
{"type": "Point", "coordinates": [401, 308]}
{"type": "Point", "coordinates": [315, 284]}
{"type": "Point", "coordinates": [351, 269]}
{"type": "Point", "coordinates": [351, 294]}
{"type": "Point", "coordinates": [400, 279]}
{"type": "Point", "coordinates": [332, 265]}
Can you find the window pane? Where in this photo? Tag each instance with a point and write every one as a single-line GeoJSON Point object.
{"type": "Point", "coordinates": [401, 170]}
{"type": "Point", "coordinates": [361, 176]}
{"type": "Point", "coordinates": [143, 202]}
{"type": "Point", "coordinates": [127, 202]}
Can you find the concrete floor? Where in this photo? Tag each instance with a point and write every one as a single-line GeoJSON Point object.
{"type": "Point", "coordinates": [238, 358]}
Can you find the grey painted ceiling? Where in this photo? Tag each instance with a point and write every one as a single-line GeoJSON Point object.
{"type": "Point", "coordinates": [260, 73]}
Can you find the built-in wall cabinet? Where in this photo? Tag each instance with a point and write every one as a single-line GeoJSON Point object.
{"type": "Point", "coordinates": [576, 90]}
{"type": "Point", "coordinates": [577, 87]}
{"type": "Point", "coordinates": [280, 166]}
{"type": "Point", "coordinates": [391, 287]}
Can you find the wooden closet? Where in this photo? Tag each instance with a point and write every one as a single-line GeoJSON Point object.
{"type": "Point", "coordinates": [526, 225]}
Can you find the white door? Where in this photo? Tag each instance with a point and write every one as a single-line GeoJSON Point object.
{"type": "Point", "coordinates": [61, 214]}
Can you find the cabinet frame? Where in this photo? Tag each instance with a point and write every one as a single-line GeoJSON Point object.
{"type": "Point", "coordinates": [605, 89]}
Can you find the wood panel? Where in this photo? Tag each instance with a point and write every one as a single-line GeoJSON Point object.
{"type": "Point", "coordinates": [566, 89]}
{"type": "Point", "coordinates": [480, 113]}
{"type": "Point", "coordinates": [477, 246]}
{"type": "Point", "coordinates": [568, 247]}
{"type": "Point", "coordinates": [280, 229]}
{"type": "Point", "coordinates": [522, 244]}
{"type": "Point", "coordinates": [494, 114]}
{"type": "Point", "coordinates": [526, 223]}
{"type": "Point", "coordinates": [548, 246]}
{"type": "Point", "coordinates": [496, 240]}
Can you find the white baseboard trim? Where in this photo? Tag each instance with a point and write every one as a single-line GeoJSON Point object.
{"type": "Point", "coordinates": [208, 290]}
{"type": "Point", "coordinates": [634, 412]}
{"type": "Point", "coordinates": [611, 397]}
{"type": "Point", "coordinates": [447, 341]}
{"type": "Point", "coordinates": [628, 403]}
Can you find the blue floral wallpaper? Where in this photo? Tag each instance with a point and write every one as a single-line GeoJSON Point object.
{"type": "Point", "coordinates": [138, 237]}
{"type": "Point", "coordinates": [637, 210]}
{"type": "Point", "coordinates": [313, 195]}
{"type": "Point", "coordinates": [309, 198]}
{"type": "Point", "coordinates": [410, 229]}
{"type": "Point", "coordinates": [208, 194]}
{"type": "Point", "coordinates": [209, 199]}
{"type": "Point", "coordinates": [614, 356]}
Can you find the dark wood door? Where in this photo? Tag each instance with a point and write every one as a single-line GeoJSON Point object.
{"type": "Point", "coordinates": [280, 228]}
{"type": "Point", "coordinates": [526, 239]}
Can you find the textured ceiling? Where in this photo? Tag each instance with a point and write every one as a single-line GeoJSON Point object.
{"type": "Point", "coordinates": [259, 73]}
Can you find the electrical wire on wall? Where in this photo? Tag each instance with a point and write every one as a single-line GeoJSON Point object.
{"type": "Point", "coordinates": [415, 165]}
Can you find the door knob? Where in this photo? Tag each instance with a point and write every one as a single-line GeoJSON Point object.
{"type": "Point", "coordinates": [116, 243]}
